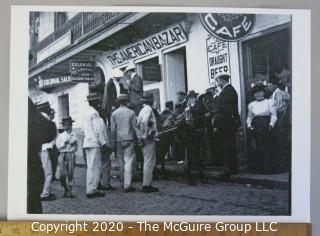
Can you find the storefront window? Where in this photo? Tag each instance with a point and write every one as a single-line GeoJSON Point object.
{"type": "Point", "coordinates": [265, 56]}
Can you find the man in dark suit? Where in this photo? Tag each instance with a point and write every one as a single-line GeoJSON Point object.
{"type": "Point", "coordinates": [36, 137]}
{"type": "Point", "coordinates": [226, 120]}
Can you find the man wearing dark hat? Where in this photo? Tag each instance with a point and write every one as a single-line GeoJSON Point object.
{"type": "Point", "coordinates": [95, 144]}
{"type": "Point", "coordinates": [46, 149]}
{"type": "Point", "coordinates": [123, 132]}
{"type": "Point", "coordinates": [67, 145]}
{"type": "Point", "coordinates": [148, 134]}
{"type": "Point", "coordinates": [135, 87]}
{"type": "Point", "coordinates": [35, 179]}
{"type": "Point", "coordinates": [195, 119]}
{"type": "Point", "coordinates": [226, 120]}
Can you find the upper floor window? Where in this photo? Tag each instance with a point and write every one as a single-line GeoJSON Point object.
{"type": "Point", "coordinates": [60, 19]}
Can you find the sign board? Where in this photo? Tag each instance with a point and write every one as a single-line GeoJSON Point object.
{"type": "Point", "coordinates": [82, 71]}
{"type": "Point", "coordinates": [228, 27]}
{"type": "Point", "coordinates": [218, 58]}
{"type": "Point", "coordinates": [54, 81]}
{"type": "Point", "coordinates": [169, 37]}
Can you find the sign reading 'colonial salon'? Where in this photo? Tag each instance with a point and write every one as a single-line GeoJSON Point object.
{"type": "Point", "coordinates": [54, 81]}
{"type": "Point", "coordinates": [218, 58]}
{"type": "Point", "coordinates": [169, 37]}
{"type": "Point", "coordinates": [82, 71]}
{"type": "Point", "coordinates": [228, 27]}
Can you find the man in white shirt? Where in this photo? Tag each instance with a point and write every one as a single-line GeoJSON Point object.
{"type": "Point", "coordinates": [94, 144]}
{"type": "Point", "coordinates": [147, 134]}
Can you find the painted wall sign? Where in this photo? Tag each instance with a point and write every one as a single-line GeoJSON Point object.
{"type": "Point", "coordinates": [82, 71]}
{"type": "Point", "coordinates": [228, 27]}
{"type": "Point", "coordinates": [218, 57]}
{"type": "Point", "coordinates": [169, 37]}
{"type": "Point", "coordinates": [54, 81]}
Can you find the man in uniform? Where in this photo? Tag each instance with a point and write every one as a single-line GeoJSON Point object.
{"type": "Point", "coordinates": [226, 120]}
{"type": "Point", "coordinates": [148, 134]}
{"type": "Point", "coordinates": [135, 87]}
{"type": "Point", "coordinates": [123, 131]}
{"type": "Point", "coordinates": [94, 144]}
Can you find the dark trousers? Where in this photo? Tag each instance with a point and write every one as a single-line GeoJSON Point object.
{"type": "Point", "coordinates": [35, 181]}
{"type": "Point", "coordinates": [195, 154]}
{"type": "Point", "coordinates": [227, 149]}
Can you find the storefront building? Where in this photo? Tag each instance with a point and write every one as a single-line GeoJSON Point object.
{"type": "Point", "coordinates": [172, 53]}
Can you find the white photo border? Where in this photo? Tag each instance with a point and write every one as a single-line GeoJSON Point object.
{"type": "Point", "coordinates": [301, 115]}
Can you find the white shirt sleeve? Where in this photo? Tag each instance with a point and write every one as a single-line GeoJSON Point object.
{"type": "Point", "coordinates": [273, 112]}
{"type": "Point", "coordinates": [250, 116]}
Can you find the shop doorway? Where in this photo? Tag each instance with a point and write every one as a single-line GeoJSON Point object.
{"type": "Point", "coordinates": [176, 73]}
{"type": "Point", "coordinates": [63, 102]}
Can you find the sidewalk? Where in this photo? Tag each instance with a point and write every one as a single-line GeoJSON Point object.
{"type": "Point", "coordinates": [175, 170]}
{"type": "Point", "coordinates": [270, 181]}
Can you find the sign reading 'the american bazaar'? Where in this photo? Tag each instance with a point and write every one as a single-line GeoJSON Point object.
{"type": "Point", "coordinates": [169, 37]}
{"type": "Point", "coordinates": [228, 27]}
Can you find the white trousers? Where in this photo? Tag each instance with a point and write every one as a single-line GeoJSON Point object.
{"type": "Point", "coordinates": [93, 168]}
{"type": "Point", "coordinates": [127, 157]}
{"type": "Point", "coordinates": [105, 170]}
{"type": "Point", "coordinates": [47, 168]}
{"type": "Point", "coordinates": [149, 163]}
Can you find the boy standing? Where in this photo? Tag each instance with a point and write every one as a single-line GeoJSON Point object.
{"type": "Point", "coordinates": [67, 145]}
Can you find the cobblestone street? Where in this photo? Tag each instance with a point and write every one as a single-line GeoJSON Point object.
{"type": "Point", "coordinates": [175, 198]}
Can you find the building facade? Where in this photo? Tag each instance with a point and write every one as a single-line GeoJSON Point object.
{"type": "Point", "coordinates": [172, 52]}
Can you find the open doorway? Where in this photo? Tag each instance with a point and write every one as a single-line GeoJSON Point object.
{"type": "Point", "coordinates": [176, 73]}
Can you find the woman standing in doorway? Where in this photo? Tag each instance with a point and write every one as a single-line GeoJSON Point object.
{"type": "Point", "coordinates": [261, 120]}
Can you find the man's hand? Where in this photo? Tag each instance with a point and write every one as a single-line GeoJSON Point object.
{"type": "Point", "coordinates": [270, 128]}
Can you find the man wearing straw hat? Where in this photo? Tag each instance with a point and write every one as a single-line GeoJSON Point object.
{"type": "Point", "coordinates": [123, 131]}
{"type": "Point", "coordinates": [94, 144]}
{"type": "Point", "coordinates": [147, 134]}
{"type": "Point", "coordinates": [226, 120]}
{"type": "Point", "coordinates": [67, 145]}
{"type": "Point", "coordinates": [135, 87]}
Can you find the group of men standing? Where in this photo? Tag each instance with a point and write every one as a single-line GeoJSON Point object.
{"type": "Point", "coordinates": [119, 132]}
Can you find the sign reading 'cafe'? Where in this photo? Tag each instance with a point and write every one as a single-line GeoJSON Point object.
{"type": "Point", "coordinates": [228, 27]}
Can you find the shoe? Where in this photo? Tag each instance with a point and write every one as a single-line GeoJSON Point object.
{"type": "Point", "coordinates": [129, 190]}
{"type": "Point", "coordinates": [95, 194]}
{"type": "Point", "coordinates": [149, 189]}
{"type": "Point", "coordinates": [106, 188]}
{"type": "Point", "coordinates": [65, 194]}
{"type": "Point", "coordinates": [51, 197]}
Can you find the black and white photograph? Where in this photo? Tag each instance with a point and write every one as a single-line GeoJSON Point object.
{"type": "Point", "coordinates": [156, 112]}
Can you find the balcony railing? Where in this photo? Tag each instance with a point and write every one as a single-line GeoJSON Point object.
{"type": "Point", "coordinates": [79, 25]}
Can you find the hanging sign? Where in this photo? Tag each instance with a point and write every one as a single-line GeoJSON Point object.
{"type": "Point", "coordinates": [218, 58]}
{"type": "Point", "coordinates": [228, 27]}
{"type": "Point", "coordinates": [82, 71]}
{"type": "Point", "coordinates": [169, 37]}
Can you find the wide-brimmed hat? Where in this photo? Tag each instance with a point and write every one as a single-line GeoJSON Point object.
{"type": "Point", "coordinates": [224, 76]}
{"type": "Point", "coordinates": [117, 73]}
{"type": "Point", "coordinates": [123, 97]}
{"type": "Point", "coordinates": [131, 66]}
{"type": "Point", "coordinates": [146, 97]}
{"type": "Point", "coordinates": [93, 96]}
{"type": "Point", "coordinates": [259, 86]}
{"type": "Point", "coordinates": [192, 93]}
{"type": "Point", "coordinates": [67, 119]}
